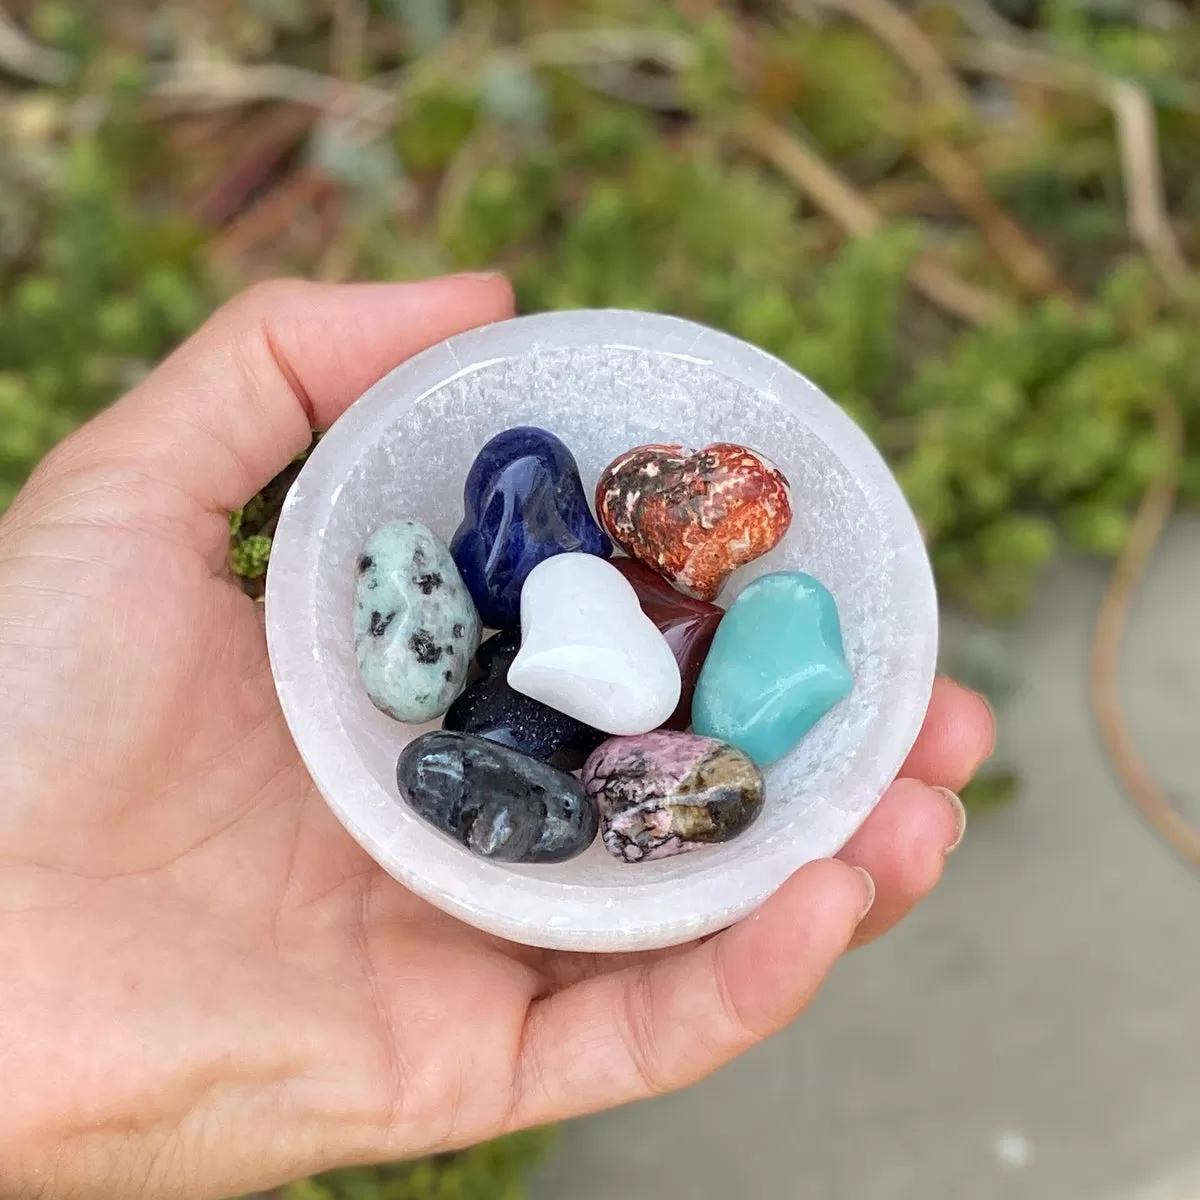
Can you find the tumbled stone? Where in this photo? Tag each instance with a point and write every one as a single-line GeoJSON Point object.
{"type": "Point", "coordinates": [415, 627]}
{"type": "Point", "coordinates": [525, 502]}
{"type": "Point", "coordinates": [776, 667]}
{"type": "Point", "coordinates": [588, 650]}
{"type": "Point", "coordinates": [491, 709]}
{"type": "Point", "coordinates": [688, 625]}
{"type": "Point", "coordinates": [695, 517]}
{"type": "Point", "coordinates": [498, 803]}
{"type": "Point", "coordinates": [665, 793]}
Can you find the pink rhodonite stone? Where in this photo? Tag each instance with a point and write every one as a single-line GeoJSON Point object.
{"type": "Point", "coordinates": [664, 793]}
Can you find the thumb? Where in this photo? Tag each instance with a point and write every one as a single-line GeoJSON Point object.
{"type": "Point", "coordinates": [240, 399]}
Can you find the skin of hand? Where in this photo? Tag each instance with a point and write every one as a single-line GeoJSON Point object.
{"type": "Point", "coordinates": [206, 986]}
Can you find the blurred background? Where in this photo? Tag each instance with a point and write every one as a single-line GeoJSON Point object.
{"type": "Point", "coordinates": [972, 222]}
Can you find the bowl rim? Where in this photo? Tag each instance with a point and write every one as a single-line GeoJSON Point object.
{"type": "Point", "coordinates": [446, 879]}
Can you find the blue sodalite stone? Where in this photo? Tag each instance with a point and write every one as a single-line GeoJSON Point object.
{"type": "Point", "coordinates": [524, 503]}
{"type": "Point", "coordinates": [491, 709]}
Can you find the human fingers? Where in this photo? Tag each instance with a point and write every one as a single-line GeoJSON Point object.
{"type": "Point", "coordinates": [904, 842]}
{"type": "Point", "coordinates": [239, 400]}
{"type": "Point", "coordinates": [903, 845]}
{"type": "Point", "coordinates": [956, 739]}
{"type": "Point", "coordinates": [659, 1025]}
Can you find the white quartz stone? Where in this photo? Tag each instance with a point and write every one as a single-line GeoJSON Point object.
{"type": "Point", "coordinates": [602, 381]}
{"type": "Point", "coordinates": [588, 650]}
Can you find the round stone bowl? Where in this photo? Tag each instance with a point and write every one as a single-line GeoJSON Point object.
{"type": "Point", "coordinates": [603, 381]}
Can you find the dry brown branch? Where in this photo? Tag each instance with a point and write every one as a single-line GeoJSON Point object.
{"type": "Point", "coordinates": [910, 44]}
{"type": "Point", "coordinates": [909, 196]}
{"type": "Point", "coordinates": [953, 294]}
{"type": "Point", "coordinates": [594, 47]}
{"type": "Point", "coordinates": [1141, 170]}
{"type": "Point", "coordinates": [1028, 264]}
{"type": "Point", "coordinates": [484, 147]}
{"type": "Point", "coordinates": [1108, 635]}
{"type": "Point", "coordinates": [348, 39]}
{"type": "Point", "coordinates": [1039, 68]}
{"type": "Point", "coordinates": [245, 167]}
{"type": "Point", "coordinates": [985, 22]}
{"type": "Point", "coordinates": [608, 60]}
{"type": "Point", "coordinates": [204, 85]}
{"type": "Point", "coordinates": [21, 56]}
{"type": "Point", "coordinates": [658, 93]}
{"type": "Point", "coordinates": [294, 209]}
{"type": "Point", "coordinates": [336, 263]}
{"type": "Point", "coordinates": [1025, 260]}
{"type": "Point", "coordinates": [194, 134]}
{"type": "Point", "coordinates": [1137, 141]}
{"type": "Point", "coordinates": [843, 203]}
{"type": "Point", "coordinates": [816, 178]}
{"type": "Point", "coordinates": [208, 85]}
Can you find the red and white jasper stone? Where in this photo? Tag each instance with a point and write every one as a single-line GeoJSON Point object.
{"type": "Point", "coordinates": [694, 516]}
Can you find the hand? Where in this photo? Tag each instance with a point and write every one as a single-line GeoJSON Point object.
{"type": "Point", "coordinates": [206, 986]}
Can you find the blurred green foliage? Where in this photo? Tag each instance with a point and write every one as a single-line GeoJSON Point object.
{"type": "Point", "coordinates": [495, 1171]}
{"type": "Point", "coordinates": [1009, 439]}
{"type": "Point", "coordinates": [95, 291]}
{"type": "Point", "coordinates": [617, 177]}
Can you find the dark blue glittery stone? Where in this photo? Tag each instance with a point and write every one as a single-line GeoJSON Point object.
{"type": "Point", "coordinates": [489, 708]}
{"type": "Point", "coordinates": [498, 803]}
{"type": "Point", "coordinates": [524, 503]}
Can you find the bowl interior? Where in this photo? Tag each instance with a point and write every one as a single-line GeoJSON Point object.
{"type": "Point", "coordinates": [602, 382]}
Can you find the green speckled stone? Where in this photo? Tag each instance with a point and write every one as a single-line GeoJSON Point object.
{"type": "Point", "coordinates": [415, 625]}
{"type": "Point", "coordinates": [776, 667]}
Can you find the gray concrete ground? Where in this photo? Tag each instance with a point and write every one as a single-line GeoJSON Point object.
{"type": "Point", "coordinates": [1034, 1031]}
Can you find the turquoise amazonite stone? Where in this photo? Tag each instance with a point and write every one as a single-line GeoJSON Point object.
{"type": "Point", "coordinates": [415, 625]}
{"type": "Point", "coordinates": [776, 667]}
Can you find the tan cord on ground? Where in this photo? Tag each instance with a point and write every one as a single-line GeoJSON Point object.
{"type": "Point", "coordinates": [1108, 636]}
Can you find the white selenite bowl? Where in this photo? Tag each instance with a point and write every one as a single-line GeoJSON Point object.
{"type": "Point", "coordinates": [603, 381]}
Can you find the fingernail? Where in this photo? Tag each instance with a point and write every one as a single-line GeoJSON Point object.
{"type": "Point", "coordinates": [985, 751]}
{"type": "Point", "coordinates": [960, 818]}
{"type": "Point", "coordinates": [868, 886]}
{"type": "Point", "coordinates": [479, 276]}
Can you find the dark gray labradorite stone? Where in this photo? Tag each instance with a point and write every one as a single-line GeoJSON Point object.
{"type": "Point", "coordinates": [498, 803]}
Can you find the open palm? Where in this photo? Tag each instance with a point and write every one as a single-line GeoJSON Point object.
{"type": "Point", "coordinates": [206, 986]}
